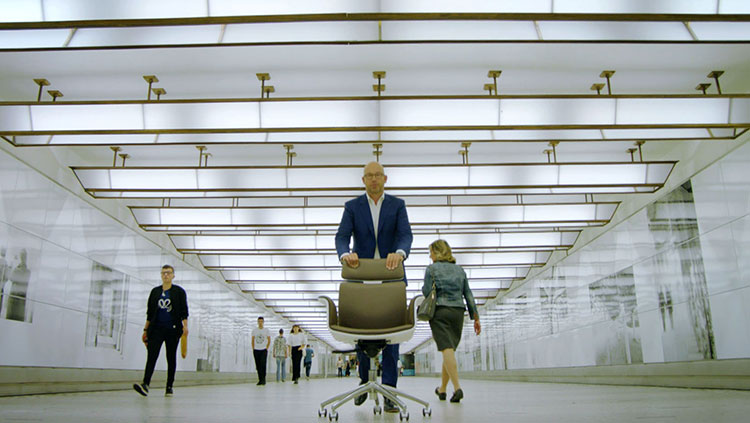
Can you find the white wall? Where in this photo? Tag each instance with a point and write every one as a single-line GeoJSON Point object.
{"type": "Point", "coordinates": [68, 243]}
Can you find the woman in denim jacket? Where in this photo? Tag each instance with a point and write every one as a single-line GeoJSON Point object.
{"type": "Point", "coordinates": [452, 288]}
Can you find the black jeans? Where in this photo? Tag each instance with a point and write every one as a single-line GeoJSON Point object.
{"type": "Point", "coordinates": [260, 363]}
{"type": "Point", "coordinates": [296, 361]}
{"type": "Point", "coordinates": [308, 365]}
{"type": "Point", "coordinates": [156, 336]}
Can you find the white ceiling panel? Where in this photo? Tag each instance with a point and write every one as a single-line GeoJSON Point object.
{"type": "Point", "coordinates": [506, 177]}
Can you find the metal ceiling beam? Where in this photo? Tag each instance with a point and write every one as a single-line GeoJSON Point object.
{"type": "Point", "coordinates": [359, 17]}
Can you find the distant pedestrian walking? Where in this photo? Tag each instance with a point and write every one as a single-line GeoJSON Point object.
{"type": "Point", "coordinates": [280, 353]}
{"type": "Point", "coordinates": [297, 342]}
{"type": "Point", "coordinates": [309, 354]}
{"type": "Point", "coordinates": [261, 340]}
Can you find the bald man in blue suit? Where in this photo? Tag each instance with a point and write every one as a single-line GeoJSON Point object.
{"type": "Point", "coordinates": [362, 215]}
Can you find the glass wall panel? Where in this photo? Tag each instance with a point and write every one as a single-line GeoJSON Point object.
{"type": "Point", "coordinates": [670, 283]}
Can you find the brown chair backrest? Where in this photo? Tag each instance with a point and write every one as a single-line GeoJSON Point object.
{"type": "Point", "coordinates": [372, 306]}
{"type": "Point", "coordinates": [372, 270]}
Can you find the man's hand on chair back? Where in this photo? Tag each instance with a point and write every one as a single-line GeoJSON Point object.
{"type": "Point", "coordinates": [351, 260]}
{"type": "Point", "coordinates": [393, 261]}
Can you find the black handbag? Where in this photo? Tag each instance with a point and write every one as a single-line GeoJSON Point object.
{"type": "Point", "coordinates": [426, 310]}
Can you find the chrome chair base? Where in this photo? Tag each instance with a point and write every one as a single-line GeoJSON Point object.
{"type": "Point", "coordinates": [373, 389]}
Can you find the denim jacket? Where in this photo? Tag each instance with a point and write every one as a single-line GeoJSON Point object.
{"type": "Point", "coordinates": [451, 284]}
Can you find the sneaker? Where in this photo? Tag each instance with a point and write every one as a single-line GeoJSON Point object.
{"type": "Point", "coordinates": [169, 392]}
{"type": "Point", "coordinates": [141, 388]}
{"type": "Point", "coordinates": [389, 406]}
{"type": "Point", "coordinates": [296, 382]}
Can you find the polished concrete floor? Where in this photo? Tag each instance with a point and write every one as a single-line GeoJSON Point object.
{"type": "Point", "coordinates": [485, 401]}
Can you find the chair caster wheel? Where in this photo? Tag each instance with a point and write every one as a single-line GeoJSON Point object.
{"type": "Point", "coordinates": [377, 410]}
{"type": "Point", "coordinates": [403, 416]}
{"type": "Point", "coordinates": [323, 412]}
{"type": "Point", "coordinates": [334, 416]}
{"type": "Point", "coordinates": [427, 411]}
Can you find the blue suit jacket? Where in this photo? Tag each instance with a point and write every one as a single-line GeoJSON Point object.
{"type": "Point", "coordinates": [394, 231]}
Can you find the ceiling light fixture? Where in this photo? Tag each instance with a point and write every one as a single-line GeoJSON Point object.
{"type": "Point", "coordinates": [42, 83]}
{"type": "Point", "coordinates": [150, 79]}
{"type": "Point", "coordinates": [516, 178]}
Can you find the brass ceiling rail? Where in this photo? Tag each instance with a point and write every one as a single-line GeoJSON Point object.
{"type": "Point", "coordinates": [357, 166]}
{"type": "Point", "coordinates": [383, 98]}
{"type": "Point", "coordinates": [339, 207]}
{"type": "Point", "coordinates": [328, 190]}
{"type": "Point", "coordinates": [304, 281]}
{"type": "Point", "coordinates": [349, 43]}
{"type": "Point", "coordinates": [172, 228]}
{"type": "Point", "coordinates": [735, 135]}
{"type": "Point", "coordinates": [337, 268]}
{"type": "Point", "coordinates": [375, 17]}
{"type": "Point", "coordinates": [434, 232]}
{"type": "Point", "coordinates": [376, 128]}
{"type": "Point", "coordinates": [332, 251]}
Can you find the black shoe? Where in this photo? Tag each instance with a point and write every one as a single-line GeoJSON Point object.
{"type": "Point", "coordinates": [440, 395]}
{"type": "Point", "coordinates": [360, 399]}
{"type": "Point", "coordinates": [389, 406]}
{"type": "Point", "coordinates": [296, 382]}
{"type": "Point", "coordinates": [169, 392]}
{"type": "Point", "coordinates": [141, 388]}
{"type": "Point", "coordinates": [457, 396]}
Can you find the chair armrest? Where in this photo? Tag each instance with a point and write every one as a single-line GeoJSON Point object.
{"type": "Point", "coordinates": [411, 312]}
{"type": "Point", "coordinates": [333, 317]}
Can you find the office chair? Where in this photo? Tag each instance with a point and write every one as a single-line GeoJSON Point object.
{"type": "Point", "coordinates": [372, 315]}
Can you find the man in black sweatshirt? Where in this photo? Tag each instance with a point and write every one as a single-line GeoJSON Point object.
{"type": "Point", "coordinates": [166, 322]}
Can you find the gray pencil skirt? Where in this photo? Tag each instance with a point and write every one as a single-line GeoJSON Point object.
{"type": "Point", "coordinates": [447, 325]}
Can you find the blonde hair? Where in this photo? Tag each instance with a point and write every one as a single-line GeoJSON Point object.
{"type": "Point", "coordinates": [442, 251]}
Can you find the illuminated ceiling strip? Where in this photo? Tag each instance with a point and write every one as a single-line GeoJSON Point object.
{"type": "Point", "coordinates": [428, 199]}
{"type": "Point", "coordinates": [546, 225]}
{"type": "Point", "coordinates": [371, 114]}
{"type": "Point", "coordinates": [315, 281]}
{"type": "Point", "coordinates": [418, 215]}
{"type": "Point", "coordinates": [275, 276]}
{"type": "Point", "coordinates": [237, 261]}
{"type": "Point", "coordinates": [483, 294]}
{"type": "Point", "coordinates": [401, 192]}
{"type": "Point", "coordinates": [416, 231]}
{"type": "Point", "coordinates": [279, 242]}
{"type": "Point", "coordinates": [352, 28]}
{"type": "Point", "coordinates": [419, 179]}
{"type": "Point", "coordinates": [309, 287]}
